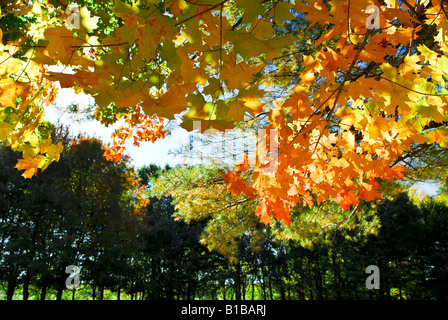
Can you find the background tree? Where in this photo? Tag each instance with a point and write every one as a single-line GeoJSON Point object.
{"type": "Point", "coordinates": [199, 194]}
{"type": "Point", "coordinates": [433, 256]}
{"type": "Point", "coordinates": [82, 209]}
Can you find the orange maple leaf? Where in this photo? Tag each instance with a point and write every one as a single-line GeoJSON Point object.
{"type": "Point", "coordinates": [30, 165]}
{"type": "Point", "coordinates": [346, 199]}
{"type": "Point", "coordinates": [243, 166]}
{"type": "Point", "coordinates": [367, 191]}
{"type": "Point", "coordinates": [236, 186]}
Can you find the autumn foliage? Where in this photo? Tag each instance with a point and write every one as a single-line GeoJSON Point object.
{"type": "Point", "coordinates": [354, 99]}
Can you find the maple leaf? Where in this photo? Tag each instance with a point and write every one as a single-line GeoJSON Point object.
{"type": "Point", "coordinates": [245, 165]}
{"type": "Point", "coordinates": [172, 102]}
{"type": "Point", "coordinates": [439, 135]}
{"type": "Point", "coordinates": [237, 186]}
{"type": "Point", "coordinates": [60, 46]}
{"type": "Point", "coordinates": [346, 199]}
{"type": "Point", "coordinates": [262, 212]}
{"type": "Point", "coordinates": [232, 108]}
{"type": "Point", "coordinates": [368, 191]}
{"type": "Point", "coordinates": [442, 35]}
{"type": "Point", "coordinates": [10, 90]}
{"type": "Point", "coordinates": [238, 75]}
{"type": "Point", "coordinates": [54, 151]}
{"type": "Point", "coordinates": [409, 65]}
{"type": "Point", "coordinates": [89, 23]}
{"type": "Point", "coordinates": [30, 165]}
{"type": "Point", "coordinates": [396, 172]}
{"type": "Point", "coordinates": [122, 9]}
{"type": "Point", "coordinates": [316, 11]}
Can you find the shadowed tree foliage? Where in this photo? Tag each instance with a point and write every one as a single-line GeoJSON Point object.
{"type": "Point", "coordinates": [193, 240]}
{"type": "Point", "coordinates": [83, 210]}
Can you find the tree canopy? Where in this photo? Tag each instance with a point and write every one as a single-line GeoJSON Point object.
{"type": "Point", "coordinates": [344, 100]}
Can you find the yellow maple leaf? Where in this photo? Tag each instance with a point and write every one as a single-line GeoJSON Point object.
{"type": "Point", "coordinates": [10, 90]}
{"type": "Point", "coordinates": [54, 151]}
{"type": "Point", "coordinates": [61, 41]}
{"type": "Point", "coordinates": [409, 65]}
{"type": "Point", "coordinates": [237, 75]}
{"type": "Point", "coordinates": [90, 23]}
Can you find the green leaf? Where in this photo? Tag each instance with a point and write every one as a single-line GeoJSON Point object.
{"type": "Point", "coordinates": [121, 9]}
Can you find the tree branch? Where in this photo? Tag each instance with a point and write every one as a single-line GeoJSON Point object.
{"type": "Point", "coordinates": [202, 12]}
{"type": "Point", "coordinates": [415, 13]}
{"type": "Point", "coordinates": [230, 205]}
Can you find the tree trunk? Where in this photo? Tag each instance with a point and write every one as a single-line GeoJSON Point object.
{"type": "Point", "coordinates": [12, 283]}
{"type": "Point", "coordinates": [224, 291]}
{"type": "Point", "coordinates": [253, 286]}
{"type": "Point", "coordinates": [61, 287]}
{"type": "Point", "coordinates": [43, 293]}
{"type": "Point", "coordinates": [336, 274]}
{"type": "Point", "coordinates": [319, 284]}
{"type": "Point", "coordinates": [188, 290]}
{"type": "Point", "coordinates": [214, 291]}
{"type": "Point", "coordinates": [282, 292]}
{"type": "Point", "coordinates": [244, 287]}
{"type": "Point", "coordinates": [26, 285]}
{"type": "Point", "coordinates": [263, 283]}
{"type": "Point", "coordinates": [301, 294]}
{"type": "Point", "coordinates": [101, 288]}
{"type": "Point", "coordinates": [238, 281]}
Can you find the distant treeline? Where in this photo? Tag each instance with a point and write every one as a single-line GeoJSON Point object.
{"type": "Point", "coordinates": [88, 212]}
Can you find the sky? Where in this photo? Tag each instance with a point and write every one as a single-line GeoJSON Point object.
{"type": "Point", "coordinates": [146, 153]}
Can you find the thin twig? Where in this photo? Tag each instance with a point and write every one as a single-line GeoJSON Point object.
{"type": "Point", "coordinates": [202, 12]}
{"type": "Point", "coordinates": [422, 93]}
{"type": "Point", "coordinates": [220, 38]}
{"type": "Point", "coordinates": [78, 47]}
